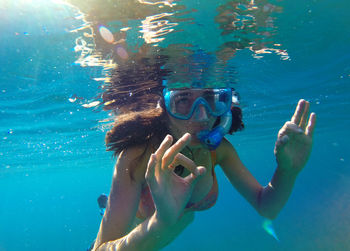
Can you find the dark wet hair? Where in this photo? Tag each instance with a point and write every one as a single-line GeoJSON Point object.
{"type": "Point", "coordinates": [134, 94]}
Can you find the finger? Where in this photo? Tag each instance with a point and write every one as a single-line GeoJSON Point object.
{"type": "Point", "coordinates": [311, 125]}
{"type": "Point", "coordinates": [181, 159]}
{"type": "Point", "coordinates": [170, 154]}
{"type": "Point", "coordinates": [166, 143]}
{"type": "Point", "coordinates": [151, 168]}
{"type": "Point", "coordinates": [298, 112]}
{"type": "Point", "coordinates": [192, 177]}
{"type": "Point", "coordinates": [305, 116]}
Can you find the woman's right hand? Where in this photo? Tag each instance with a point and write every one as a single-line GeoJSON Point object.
{"type": "Point", "coordinates": [171, 192]}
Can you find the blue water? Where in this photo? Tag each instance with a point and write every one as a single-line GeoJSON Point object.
{"type": "Point", "coordinates": [53, 163]}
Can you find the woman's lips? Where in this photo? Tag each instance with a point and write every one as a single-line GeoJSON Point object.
{"type": "Point", "coordinates": [199, 129]}
{"type": "Point", "coordinates": [195, 133]}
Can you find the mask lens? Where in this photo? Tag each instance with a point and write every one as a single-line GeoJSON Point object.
{"type": "Point", "coordinates": [219, 101]}
{"type": "Point", "coordinates": [181, 103]}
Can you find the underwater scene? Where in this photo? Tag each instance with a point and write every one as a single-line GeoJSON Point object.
{"type": "Point", "coordinates": [61, 61]}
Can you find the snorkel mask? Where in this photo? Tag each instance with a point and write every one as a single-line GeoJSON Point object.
{"type": "Point", "coordinates": [182, 103]}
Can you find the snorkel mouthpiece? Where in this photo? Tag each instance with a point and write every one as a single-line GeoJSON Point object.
{"type": "Point", "coordinates": [213, 138]}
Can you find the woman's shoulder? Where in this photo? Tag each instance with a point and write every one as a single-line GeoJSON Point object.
{"type": "Point", "coordinates": [224, 150]}
{"type": "Point", "coordinates": [134, 160]}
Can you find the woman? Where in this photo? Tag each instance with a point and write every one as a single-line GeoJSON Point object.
{"type": "Point", "coordinates": [166, 158]}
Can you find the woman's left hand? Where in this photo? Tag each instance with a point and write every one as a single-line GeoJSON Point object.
{"type": "Point", "coordinates": [294, 141]}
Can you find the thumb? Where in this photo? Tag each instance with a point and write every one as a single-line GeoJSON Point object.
{"type": "Point", "coordinates": [193, 177]}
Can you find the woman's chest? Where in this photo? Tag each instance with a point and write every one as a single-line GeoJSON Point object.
{"type": "Point", "coordinates": [204, 183]}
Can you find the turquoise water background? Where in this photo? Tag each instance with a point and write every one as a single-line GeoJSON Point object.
{"type": "Point", "coordinates": [53, 163]}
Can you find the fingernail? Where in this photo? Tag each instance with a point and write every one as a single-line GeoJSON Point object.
{"type": "Point", "coordinates": [201, 171]}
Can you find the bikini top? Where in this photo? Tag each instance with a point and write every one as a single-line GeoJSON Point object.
{"type": "Point", "coordinates": [146, 205]}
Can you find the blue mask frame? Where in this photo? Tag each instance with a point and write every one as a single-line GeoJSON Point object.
{"type": "Point", "coordinates": [196, 103]}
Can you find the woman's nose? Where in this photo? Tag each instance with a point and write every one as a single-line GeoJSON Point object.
{"type": "Point", "coordinates": [200, 113]}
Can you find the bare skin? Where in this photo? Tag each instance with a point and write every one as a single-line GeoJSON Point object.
{"type": "Point", "coordinates": [294, 141]}
{"type": "Point", "coordinates": [171, 192]}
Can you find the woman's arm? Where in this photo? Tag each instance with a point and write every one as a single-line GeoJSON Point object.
{"type": "Point", "coordinates": [292, 150]}
{"type": "Point", "coordinates": [149, 235]}
{"type": "Point", "coordinates": [170, 194]}
{"type": "Point", "coordinates": [116, 229]}
{"type": "Point", "coordinates": [267, 201]}
{"type": "Point", "coordinates": [123, 198]}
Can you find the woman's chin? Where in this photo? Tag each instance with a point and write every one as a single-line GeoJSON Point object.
{"type": "Point", "coordinates": [195, 142]}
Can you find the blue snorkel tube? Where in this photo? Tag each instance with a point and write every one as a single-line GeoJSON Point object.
{"type": "Point", "coordinates": [213, 138]}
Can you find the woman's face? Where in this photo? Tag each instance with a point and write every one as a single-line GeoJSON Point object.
{"type": "Point", "coordinates": [200, 120]}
